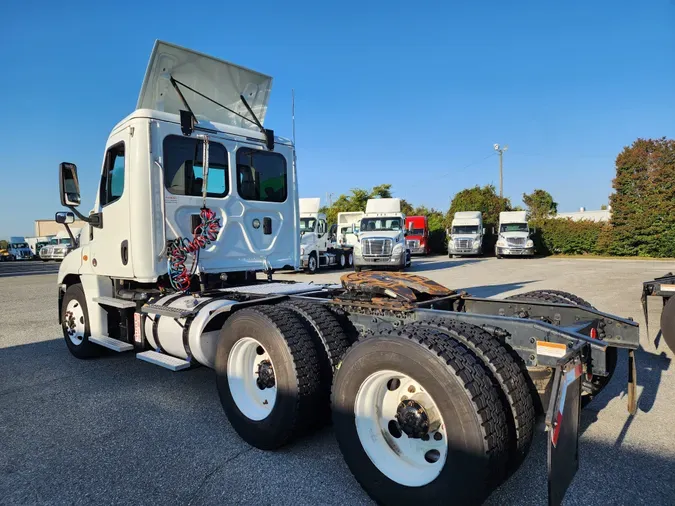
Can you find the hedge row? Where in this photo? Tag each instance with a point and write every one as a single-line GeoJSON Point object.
{"type": "Point", "coordinates": [568, 237]}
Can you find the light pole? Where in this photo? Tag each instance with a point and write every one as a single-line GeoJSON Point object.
{"type": "Point", "coordinates": [501, 150]}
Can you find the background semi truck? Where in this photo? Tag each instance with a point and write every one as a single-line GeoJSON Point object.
{"type": "Point", "coordinates": [18, 249]}
{"type": "Point", "coordinates": [466, 234]}
{"type": "Point", "coordinates": [60, 245]}
{"type": "Point", "coordinates": [417, 239]}
{"type": "Point", "coordinates": [382, 235]}
{"type": "Point", "coordinates": [430, 390]}
{"type": "Point", "coordinates": [348, 226]}
{"type": "Point", "coordinates": [514, 235]}
{"type": "Point", "coordinates": [318, 246]}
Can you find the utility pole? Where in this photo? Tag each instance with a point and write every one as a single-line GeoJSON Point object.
{"type": "Point", "coordinates": [501, 150]}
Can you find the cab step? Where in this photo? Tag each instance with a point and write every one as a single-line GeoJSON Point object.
{"type": "Point", "coordinates": [113, 302]}
{"type": "Point", "coordinates": [171, 312]}
{"type": "Point", "coordinates": [111, 344]}
{"type": "Point", "coordinates": [162, 360]}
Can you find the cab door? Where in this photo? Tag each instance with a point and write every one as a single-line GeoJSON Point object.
{"type": "Point", "coordinates": [109, 245]}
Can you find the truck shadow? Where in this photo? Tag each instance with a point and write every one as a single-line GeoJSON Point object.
{"type": "Point", "coordinates": [650, 372]}
{"type": "Point", "coordinates": [419, 265]}
{"type": "Point", "coordinates": [492, 290]}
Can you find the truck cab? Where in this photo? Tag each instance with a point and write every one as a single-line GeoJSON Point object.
{"type": "Point", "coordinates": [381, 240]}
{"type": "Point", "coordinates": [514, 237]}
{"type": "Point", "coordinates": [318, 245]}
{"type": "Point", "coordinates": [417, 239]}
{"type": "Point", "coordinates": [59, 246]}
{"type": "Point", "coordinates": [466, 234]}
{"type": "Point", "coordinates": [18, 249]}
{"type": "Point", "coordinates": [348, 226]}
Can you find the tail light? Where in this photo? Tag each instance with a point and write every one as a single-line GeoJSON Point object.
{"type": "Point", "coordinates": [594, 333]}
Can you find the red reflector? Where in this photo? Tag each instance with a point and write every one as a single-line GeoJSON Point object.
{"type": "Point", "coordinates": [594, 334]}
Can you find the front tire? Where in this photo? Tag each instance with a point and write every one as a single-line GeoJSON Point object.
{"type": "Point", "coordinates": [418, 421]}
{"type": "Point", "coordinates": [75, 324]}
{"type": "Point", "coordinates": [267, 374]}
{"type": "Point", "coordinates": [312, 263]}
{"type": "Point", "coordinates": [341, 260]}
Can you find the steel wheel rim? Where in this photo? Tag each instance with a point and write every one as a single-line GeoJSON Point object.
{"type": "Point", "coordinates": [402, 459]}
{"type": "Point", "coordinates": [73, 322]}
{"type": "Point", "coordinates": [312, 263]}
{"type": "Point", "coordinates": [342, 261]}
{"type": "Point", "coordinates": [244, 363]}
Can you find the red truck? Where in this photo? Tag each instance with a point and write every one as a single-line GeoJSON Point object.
{"type": "Point", "coordinates": [417, 239]}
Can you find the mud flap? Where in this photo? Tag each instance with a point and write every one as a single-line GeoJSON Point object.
{"type": "Point", "coordinates": [562, 425]}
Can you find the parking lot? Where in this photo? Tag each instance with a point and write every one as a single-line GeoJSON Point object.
{"type": "Point", "coordinates": [118, 430]}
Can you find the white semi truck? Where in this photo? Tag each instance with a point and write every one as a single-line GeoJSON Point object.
{"type": "Point", "coordinates": [514, 238]}
{"type": "Point", "coordinates": [466, 234]}
{"type": "Point", "coordinates": [60, 245]}
{"type": "Point", "coordinates": [348, 224]}
{"type": "Point", "coordinates": [318, 246]}
{"type": "Point", "coordinates": [434, 401]}
{"type": "Point", "coordinates": [381, 240]}
{"type": "Point", "coordinates": [18, 249]}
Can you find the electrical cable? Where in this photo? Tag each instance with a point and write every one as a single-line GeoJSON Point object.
{"type": "Point", "coordinates": [178, 250]}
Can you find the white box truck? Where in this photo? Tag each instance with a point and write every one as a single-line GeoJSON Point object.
{"type": "Point", "coordinates": [381, 241]}
{"type": "Point", "coordinates": [318, 245]}
{"type": "Point", "coordinates": [466, 234]}
{"type": "Point", "coordinates": [514, 235]}
{"type": "Point", "coordinates": [195, 193]}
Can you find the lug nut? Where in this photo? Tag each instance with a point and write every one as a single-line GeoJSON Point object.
{"type": "Point", "coordinates": [411, 389]}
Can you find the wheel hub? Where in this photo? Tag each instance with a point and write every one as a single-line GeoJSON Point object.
{"type": "Point", "coordinates": [265, 375]}
{"type": "Point", "coordinates": [413, 419]}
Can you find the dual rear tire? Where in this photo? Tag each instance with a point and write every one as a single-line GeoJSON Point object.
{"type": "Point", "coordinates": [274, 366]}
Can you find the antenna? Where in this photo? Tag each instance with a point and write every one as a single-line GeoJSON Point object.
{"type": "Point", "coordinates": [293, 113]}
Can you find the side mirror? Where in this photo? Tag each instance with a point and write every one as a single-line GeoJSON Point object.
{"type": "Point", "coordinates": [533, 231]}
{"type": "Point", "coordinates": [493, 230]}
{"type": "Point", "coordinates": [64, 218]}
{"type": "Point", "coordinates": [405, 233]}
{"type": "Point", "coordinates": [69, 186]}
{"type": "Point", "coordinates": [483, 231]}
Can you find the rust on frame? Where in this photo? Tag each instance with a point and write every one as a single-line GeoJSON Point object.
{"type": "Point", "coordinates": [382, 287]}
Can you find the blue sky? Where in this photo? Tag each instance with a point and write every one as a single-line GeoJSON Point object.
{"type": "Point", "coordinates": [409, 93]}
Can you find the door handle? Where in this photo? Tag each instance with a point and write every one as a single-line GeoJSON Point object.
{"type": "Point", "coordinates": [124, 252]}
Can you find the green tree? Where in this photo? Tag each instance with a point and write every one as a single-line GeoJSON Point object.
{"type": "Point", "coordinates": [643, 205]}
{"type": "Point", "coordinates": [3, 244]}
{"type": "Point", "coordinates": [540, 205]}
{"type": "Point", "coordinates": [356, 201]}
{"type": "Point", "coordinates": [483, 199]}
{"type": "Point", "coordinates": [603, 207]}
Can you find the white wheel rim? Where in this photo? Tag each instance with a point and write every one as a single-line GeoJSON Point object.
{"type": "Point", "coordinates": [243, 366]}
{"type": "Point", "coordinates": [402, 459]}
{"type": "Point", "coordinates": [73, 322]}
{"type": "Point", "coordinates": [312, 263]}
{"type": "Point", "coordinates": [351, 259]}
{"type": "Point", "coordinates": [342, 261]}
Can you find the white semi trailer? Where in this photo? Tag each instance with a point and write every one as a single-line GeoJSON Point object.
{"type": "Point", "coordinates": [318, 246]}
{"type": "Point", "coordinates": [432, 404]}
{"type": "Point", "coordinates": [466, 234]}
{"type": "Point", "coordinates": [381, 240]}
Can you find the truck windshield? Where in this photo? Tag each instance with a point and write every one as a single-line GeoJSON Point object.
{"type": "Point", "coordinates": [465, 229]}
{"type": "Point", "coordinates": [513, 227]}
{"type": "Point", "coordinates": [416, 231]}
{"type": "Point", "coordinates": [307, 224]}
{"type": "Point", "coordinates": [18, 245]}
{"type": "Point", "coordinates": [370, 224]}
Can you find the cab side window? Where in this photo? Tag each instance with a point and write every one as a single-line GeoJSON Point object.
{"type": "Point", "coordinates": [112, 179]}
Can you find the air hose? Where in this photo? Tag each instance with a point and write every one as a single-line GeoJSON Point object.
{"type": "Point", "coordinates": [179, 249]}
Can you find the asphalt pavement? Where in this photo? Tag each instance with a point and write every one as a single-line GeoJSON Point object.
{"type": "Point", "coordinates": [118, 430]}
{"type": "Point", "coordinates": [27, 268]}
